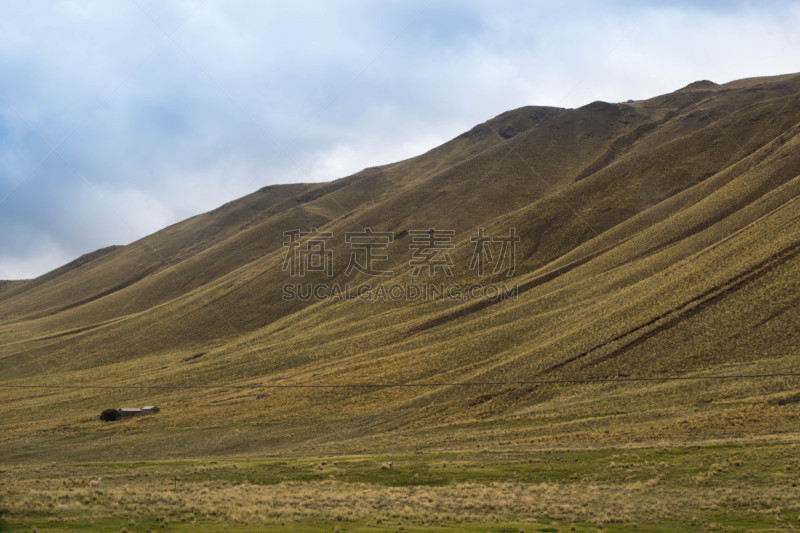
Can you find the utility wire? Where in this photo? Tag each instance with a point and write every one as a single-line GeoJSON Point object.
{"type": "Point", "coordinates": [260, 386]}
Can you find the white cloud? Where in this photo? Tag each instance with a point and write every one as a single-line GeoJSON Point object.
{"type": "Point", "coordinates": [35, 253]}
{"type": "Point", "coordinates": [256, 93]}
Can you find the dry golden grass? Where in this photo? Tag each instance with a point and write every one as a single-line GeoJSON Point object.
{"type": "Point", "coordinates": [332, 501]}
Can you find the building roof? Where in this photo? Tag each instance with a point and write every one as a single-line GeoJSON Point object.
{"type": "Point", "coordinates": [130, 409]}
{"type": "Point", "coordinates": [149, 407]}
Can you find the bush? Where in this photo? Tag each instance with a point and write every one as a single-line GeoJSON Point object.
{"type": "Point", "coordinates": [109, 415]}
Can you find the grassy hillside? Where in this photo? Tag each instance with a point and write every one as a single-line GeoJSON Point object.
{"type": "Point", "coordinates": [657, 238]}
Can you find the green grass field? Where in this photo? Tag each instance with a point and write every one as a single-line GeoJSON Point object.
{"type": "Point", "coordinates": [742, 487]}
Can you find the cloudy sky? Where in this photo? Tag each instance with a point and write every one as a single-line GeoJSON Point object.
{"type": "Point", "coordinates": [118, 118]}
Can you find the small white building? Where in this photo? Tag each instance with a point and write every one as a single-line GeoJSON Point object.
{"type": "Point", "coordinates": [130, 412]}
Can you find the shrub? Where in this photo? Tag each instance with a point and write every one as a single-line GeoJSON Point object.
{"type": "Point", "coordinates": [109, 415]}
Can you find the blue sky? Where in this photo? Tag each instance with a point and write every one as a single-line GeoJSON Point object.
{"type": "Point", "coordinates": [118, 118]}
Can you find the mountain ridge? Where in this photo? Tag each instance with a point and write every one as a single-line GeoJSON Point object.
{"type": "Point", "coordinates": [657, 238]}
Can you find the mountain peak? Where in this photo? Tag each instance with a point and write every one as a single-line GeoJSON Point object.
{"type": "Point", "coordinates": [702, 84]}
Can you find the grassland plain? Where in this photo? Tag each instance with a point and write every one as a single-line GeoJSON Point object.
{"type": "Point", "coordinates": [724, 487]}
{"type": "Point", "coordinates": [657, 238]}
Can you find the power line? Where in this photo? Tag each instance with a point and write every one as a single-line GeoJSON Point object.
{"type": "Point", "coordinates": [264, 386]}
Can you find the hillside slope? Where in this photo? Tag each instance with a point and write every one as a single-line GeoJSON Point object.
{"type": "Point", "coordinates": [656, 238]}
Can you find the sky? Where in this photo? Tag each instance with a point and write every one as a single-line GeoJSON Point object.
{"type": "Point", "coordinates": [118, 118]}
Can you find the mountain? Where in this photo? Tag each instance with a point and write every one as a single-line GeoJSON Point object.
{"type": "Point", "coordinates": [657, 238]}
